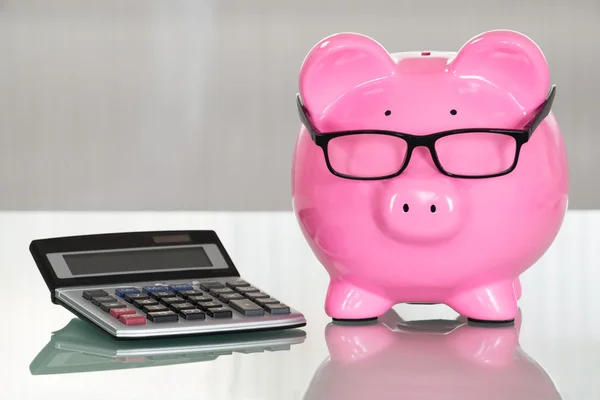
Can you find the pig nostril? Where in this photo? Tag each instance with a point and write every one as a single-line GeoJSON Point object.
{"type": "Point", "coordinates": [432, 208]}
{"type": "Point", "coordinates": [405, 207]}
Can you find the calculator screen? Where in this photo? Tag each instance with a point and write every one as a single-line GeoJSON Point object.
{"type": "Point", "coordinates": [137, 260]}
{"type": "Point", "coordinates": [128, 261]}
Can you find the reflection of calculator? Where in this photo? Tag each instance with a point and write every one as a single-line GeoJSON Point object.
{"type": "Point", "coordinates": [156, 284]}
{"type": "Point", "coordinates": [82, 347]}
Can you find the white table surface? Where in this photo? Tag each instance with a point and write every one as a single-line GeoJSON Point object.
{"type": "Point", "coordinates": [560, 328]}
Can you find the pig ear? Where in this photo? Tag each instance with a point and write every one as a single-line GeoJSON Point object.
{"type": "Point", "coordinates": [339, 63]}
{"type": "Point", "coordinates": [508, 60]}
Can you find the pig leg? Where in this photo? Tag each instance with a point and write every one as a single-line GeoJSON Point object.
{"type": "Point", "coordinates": [491, 303]}
{"type": "Point", "coordinates": [517, 287]}
{"type": "Point", "coordinates": [346, 301]}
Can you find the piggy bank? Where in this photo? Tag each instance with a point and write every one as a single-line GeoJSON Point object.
{"type": "Point", "coordinates": [439, 359]}
{"type": "Point", "coordinates": [428, 177]}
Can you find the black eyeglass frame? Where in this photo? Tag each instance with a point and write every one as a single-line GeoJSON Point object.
{"type": "Point", "coordinates": [521, 137]}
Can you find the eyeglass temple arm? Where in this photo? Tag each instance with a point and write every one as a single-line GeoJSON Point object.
{"type": "Point", "coordinates": [304, 118]}
{"type": "Point", "coordinates": [543, 112]}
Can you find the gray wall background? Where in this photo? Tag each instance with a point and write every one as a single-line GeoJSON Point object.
{"type": "Point", "coordinates": [189, 105]}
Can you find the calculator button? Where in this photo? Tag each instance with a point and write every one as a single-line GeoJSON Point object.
{"type": "Point", "coordinates": [218, 291]}
{"type": "Point", "coordinates": [219, 313]}
{"type": "Point", "coordinates": [225, 298]}
{"type": "Point", "coordinates": [144, 302]}
{"type": "Point", "coordinates": [246, 307]}
{"type": "Point", "coordinates": [191, 314]}
{"type": "Point", "coordinates": [151, 289]}
{"type": "Point", "coordinates": [262, 302]}
{"type": "Point", "coordinates": [178, 288]}
{"type": "Point", "coordinates": [256, 295]}
{"type": "Point", "coordinates": [167, 301]}
{"type": "Point", "coordinates": [206, 286]}
{"type": "Point", "coordinates": [121, 292]}
{"type": "Point", "coordinates": [212, 304]}
{"type": "Point", "coordinates": [89, 294]}
{"type": "Point", "coordinates": [136, 296]}
{"type": "Point", "coordinates": [117, 312]}
{"type": "Point", "coordinates": [154, 308]}
{"type": "Point", "coordinates": [163, 316]}
{"type": "Point", "coordinates": [160, 295]}
{"type": "Point", "coordinates": [106, 307]}
{"type": "Point", "coordinates": [277, 308]}
{"type": "Point", "coordinates": [246, 289]}
{"type": "Point", "coordinates": [181, 306]}
{"type": "Point", "coordinates": [187, 293]}
{"type": "Point", "coordinates": [237, 283]}
{"type": "Point", "coordinates": [103, 299]}
{"type": "Point", "coordinates": [199, 299]}
{"type": "Point", "coordinates": [132, 319]}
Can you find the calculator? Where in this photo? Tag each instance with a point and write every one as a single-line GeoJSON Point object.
{"type": "Point", "coordinates": [137, 285]}
{"type": "Point", "coordinates": [83, 347]}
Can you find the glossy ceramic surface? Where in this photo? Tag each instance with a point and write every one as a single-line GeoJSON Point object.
{"type": "Point", "coordinates": [422, 236]}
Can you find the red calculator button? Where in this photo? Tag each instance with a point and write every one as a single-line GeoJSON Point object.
{"type": "Point", "coordinates": [132, 319]}
{"type": "Point", "coordinates": [117, 312]}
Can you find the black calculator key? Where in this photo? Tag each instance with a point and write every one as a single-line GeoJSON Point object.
{"type": "Point", "coordinates": [89, 294]}
{"type": "Point", "coordinates": [230, 296]}
{"type": "Point", "coordinates": [160, 295]}
{"type": "Point", "coordinates": [154, 308]}
{"type": "Point", "coordinates": [206, 286]}
{"type": "Point", "coordinates": [136, 296]}
{"type": "Point", "coordinates": [246, 307]}
{"type": "Point", "coordinates": [199, 299]}
{"type": "Point", "coordinates": [219, 291]}
{"type": "Point", "coordinates": [246, 289]}
{"type": "Point", "coordinates": [191, 314]}
{"type": "Point", "coordinates": [237, 283]}
{"type": "Point", "coordinates": [103, 299]}
{"type": "Point", "coordinates": [256, 295]}
{"type": "Point", "coordinates": [212, 304]}
{"type": "Point", "coordinates": [167, 301]}
{"type": "Point", "coordinates": [219, 313]}
{"type": "Point", "coordinates": [181, 306]}
{"type": "Point", "coordinates": [106, 307]}
{"type": "Point", "coordinates": [163, 316]}
{"type": "Point", "coordinates": [277, 308]}
{"type": "Point", "coordinates": [262, 302]}
{"type": "Point", "coordinates": [144, 302]}
{"type": "Point", "coordinates": [187, 293]}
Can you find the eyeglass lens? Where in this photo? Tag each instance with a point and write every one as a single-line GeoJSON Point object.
{"type": "Point", "coordinates": [372, 155]}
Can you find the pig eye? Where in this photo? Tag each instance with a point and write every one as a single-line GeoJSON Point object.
{"type": "Point", "coordinates": [388, 112]}
{"type": "Point", "coordinates": [453, 112]}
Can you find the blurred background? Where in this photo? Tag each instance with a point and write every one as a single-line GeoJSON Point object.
{"type": "Point", "coordinates": [189, 105]}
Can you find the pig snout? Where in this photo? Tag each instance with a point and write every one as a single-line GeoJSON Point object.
{"type": "Point", "coordinates": [421, 210]}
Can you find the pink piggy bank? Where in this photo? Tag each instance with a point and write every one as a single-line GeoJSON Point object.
{"type": "Point", "coordinates": [428, 177]}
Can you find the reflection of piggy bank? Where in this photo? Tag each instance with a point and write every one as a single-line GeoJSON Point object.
{"type": "Point", "coordinates": [428, 360]}
{"type": "Point", "coordinates": [428, 177]}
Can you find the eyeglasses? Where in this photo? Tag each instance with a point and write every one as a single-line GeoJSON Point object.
{"type": "Point", "coordinates": [460, 153]}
